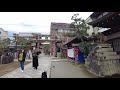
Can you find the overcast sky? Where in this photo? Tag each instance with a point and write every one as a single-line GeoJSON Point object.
{"type": "Point", "coordinates": [35, 21]}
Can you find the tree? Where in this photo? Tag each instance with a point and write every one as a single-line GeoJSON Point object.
{"type": "Point", "coordinates": [46, 48]}
{"type": "Point", "coordinates": [69, 34]}
{"type": "Point", "coordinates": [6, 41]}
{"type": "Point", "coordinates": [80, 28]}
{"type": "Point", "coordinates": [1, 48]}
{"type": "Point", "coordinates": [25, 43]}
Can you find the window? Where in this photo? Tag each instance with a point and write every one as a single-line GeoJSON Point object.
{"type": "Point", "coordinates": [46, 37]}
{"type": "Point", "coordinates": [40, 37]}
{"type": "Point", "coordinates": [55, 32]}
{"type": "Point", "coordinates": [60, 30]}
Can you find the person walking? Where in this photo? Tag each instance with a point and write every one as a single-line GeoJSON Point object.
{"type": "Point", "coordinates": [35, 58]}
{"type": "Point", "coordinates": [24, 55]}
{"type": "Point", "coordinates": [21, 59]}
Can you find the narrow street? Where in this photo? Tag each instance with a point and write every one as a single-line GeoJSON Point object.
{"type": "Point", "coordinates": [29, 72]}
{"type": "Point", "coordinates": [65, 69]}
{"type": "Point", "coordinates": [58, 68]}
{"type": "Point", "coordinates": [92, 38]}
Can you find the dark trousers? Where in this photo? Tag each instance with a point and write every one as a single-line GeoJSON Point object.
{"type": "Point", "coordinates": [22, 64]}
{"type": "Point", "coordinates": [35, 61]}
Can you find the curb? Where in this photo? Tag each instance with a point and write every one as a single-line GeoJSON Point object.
{"type": "Point", "coordinates": [25, 60]}
{"type": "Point", "coordinates": [50, 67]}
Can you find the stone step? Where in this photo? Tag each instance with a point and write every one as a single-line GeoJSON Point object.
{"type": "Point", "coordinates": [104, 45]}
{"type": "Point", "coordinates": [112, 57]}
{"type": "Point", "coordinates": [105, 50]}
{"type": "Point", "coordinates": [109, 53]}
{"type": "Point", "coordinates": [106, 54]}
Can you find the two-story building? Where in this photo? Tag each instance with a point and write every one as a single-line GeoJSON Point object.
{"type": "Point", "coordinates": [3, 34]}
{"type": "Point", "coordinates": [36, 38]}
{"type": "Point", "coordinates": [57, 31]}
{"type": "Point", "coordinates": [110, 21]}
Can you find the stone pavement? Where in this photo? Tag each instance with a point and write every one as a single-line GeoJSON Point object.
{"type": "Point", "coordinates": [29, 72]}
{"type": "Point", "coordinates": [64, 69]}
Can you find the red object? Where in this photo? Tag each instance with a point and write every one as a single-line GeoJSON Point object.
{"type": "Point", "coordinates": [75, 52]}
{"type": "Point", "coordinates": [65, 52]}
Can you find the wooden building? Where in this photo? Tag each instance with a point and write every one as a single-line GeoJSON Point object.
{"type": "Point", "coordinates": [110, 20]}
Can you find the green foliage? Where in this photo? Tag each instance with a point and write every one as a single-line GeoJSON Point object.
{"type": "Point", "coordinates": [25, 44]}
{"type": "Point", "coordinates": [47, 46]}
{"type": "Point", "coordinates": [1, 48]}
{"type": "Point", "coordinates": [79, 25]}
{"type": "Point", "coordinates": [69, 34]}
{"type": "Point", "coordinates": [80, 28]}
{"type": "Point", "coordinates": [6, 41]}
{"type": "Point", "coordinates": [84, 47]}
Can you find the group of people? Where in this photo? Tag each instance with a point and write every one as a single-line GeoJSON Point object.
{"type": "Point", "coordinates": [22, 57]}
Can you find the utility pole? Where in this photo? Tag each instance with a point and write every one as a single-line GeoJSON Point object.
{"type": "Point", "coordinates": [55, 46]}
{"type": "Point", "coordinates": [37, 43]}
{"type": "Point", "coordinates": [15, 41]}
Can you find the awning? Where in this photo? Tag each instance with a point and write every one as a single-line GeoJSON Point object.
{"type": "Point", "coordinates": [75, 40]}
{"type": "Point", "coordinates": [109, 20]}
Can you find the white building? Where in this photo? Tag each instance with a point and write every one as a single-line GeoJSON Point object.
{"type": "Point", "coordinates": [94, 29]}
{"type": "Point", "coordinates": [91, 29]}
{"type": "Point", "coordinates": [3, 34]}
{"type": "Point", "coordinates": [31, 36]}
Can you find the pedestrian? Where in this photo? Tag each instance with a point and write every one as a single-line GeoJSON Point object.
{"type": "Point", "coordinates": [21, 59]}
{"type": "Point", "coordinates": [35, 58]}
{"type": "Point", "coordinates": [50, 54]}
{"type": "Point", "coordinates": [44, 74]}
{"type": "Point", "coordinates": [24, 55]}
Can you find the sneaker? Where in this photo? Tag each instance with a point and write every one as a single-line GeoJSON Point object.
{"type": "Point", "coordinates": [21, 70]}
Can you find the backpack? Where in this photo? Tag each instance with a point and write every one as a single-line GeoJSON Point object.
{"type": "Point", "coordinates": [20, 57]}
{"type": "Point", "coordinates": [44, 74]}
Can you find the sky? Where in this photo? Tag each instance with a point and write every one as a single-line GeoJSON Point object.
{"type": "Point", "coordinates": [35, 21]}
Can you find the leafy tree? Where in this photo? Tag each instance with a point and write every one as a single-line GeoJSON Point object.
{"type": "Point", "coordinates": [80, 28]}
{"type": "Point", "coordinates": [6, 41]}
{"type": "Point", "coordinates": [1, 48]}
{"type": "Point", "coordinates": [69, 34]}
{"type": "Point", "coordinates": [46, 48]}
{"type": "Point", "coordinates": [25, 44]}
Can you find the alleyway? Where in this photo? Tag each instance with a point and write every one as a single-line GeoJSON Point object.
{"type": "Point", "coordinates": [64, 69]}
{"type": "Point", "coordinates": [29, 72]}
{"type": "Point", "coordinates": [61, 68]}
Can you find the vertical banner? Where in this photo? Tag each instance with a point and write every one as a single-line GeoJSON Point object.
{"type": "Point", "coordinates": [76, 53]}
{"type": "Point", "coordinates": [70, 53]}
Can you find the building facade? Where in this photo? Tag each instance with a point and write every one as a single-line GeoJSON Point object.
{"type": "Point", "coordinates": [3, 34]}
{"type": "Point", "coordinates": [111, 21]}
{"type": "Point", "coordinates": [33, 36]}
{"type": "Point", "coordinates": [37, 38]}
{"type": "Point", "coordinates": [91, 28]}
{"type": "Point", "coordinates": [57, 31]}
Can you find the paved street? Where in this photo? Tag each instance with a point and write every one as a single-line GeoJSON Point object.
{"type": "Point", "coordinates": [61, 68]}
{"type": "Point", "coordinates": [29, 72]}
{"type": "Point", "coordinates": [65, 69]}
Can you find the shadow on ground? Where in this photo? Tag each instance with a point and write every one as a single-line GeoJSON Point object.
{"type": "Point", "coordinates": [6, 68]}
